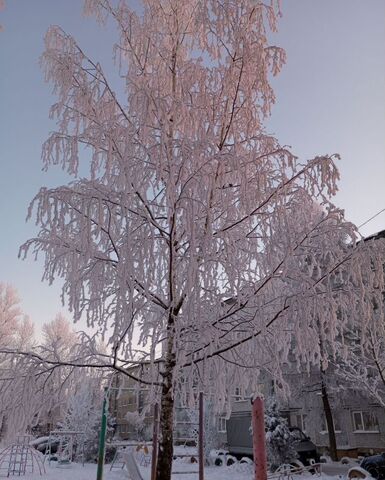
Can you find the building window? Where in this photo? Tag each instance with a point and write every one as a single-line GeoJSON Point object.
{"type": "Point", "coordinates": [184, 399]}
{"type": "Point", "coordinates": [123, 428]}
{"type": "Point", "coordinates": [238, 395]}
{"type": "Point", "coordinates": [298, 420]}
{"type": "Point", "coordinates": [128, 398]}
{"type": "Point", "coordinates": [365, 422]}
{"type": "Point", "coordinates": [142, 398]}
{"type": "Point", "coordinates": [285, 414]}
{"type": "Point", "coordinates": [336, 423]}
{"type": "Point", "coordinates": [189, 399]}
{"type": "Point", "coordinates": [222, 424]}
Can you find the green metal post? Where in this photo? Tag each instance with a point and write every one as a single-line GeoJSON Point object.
{"type": "Point", "coordinates": [102, 438]}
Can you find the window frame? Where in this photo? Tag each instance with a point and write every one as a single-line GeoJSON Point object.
{"type": "Point", "coordinates": [364, 426]}
{"type": "Point", "coordinates": [303, 417]}
{"type": "Point", "coordinates": [238, 397]}
{"type": "Point", "coordinates": [222, 425]}
{"type": "Point", "coordinates": [325, 430]}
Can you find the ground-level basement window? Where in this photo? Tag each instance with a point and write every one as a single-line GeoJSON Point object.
{"type": "Point", "coordinates": [365, 422]}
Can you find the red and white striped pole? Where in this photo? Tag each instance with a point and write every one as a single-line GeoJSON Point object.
{"type": "Point", "coordinates": [259, 445]}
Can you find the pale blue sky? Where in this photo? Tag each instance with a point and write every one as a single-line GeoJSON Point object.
{"type": "Point", "coordinates": [330, 98]}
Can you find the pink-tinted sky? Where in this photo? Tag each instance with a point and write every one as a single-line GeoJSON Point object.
{"type": "Point", "coordinates": [330, 98]}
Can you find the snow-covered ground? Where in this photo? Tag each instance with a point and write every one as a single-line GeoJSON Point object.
{"type": "Point", "coordinates": [182, 467]}
{"type": "Point", "coordinates": [235, 472]}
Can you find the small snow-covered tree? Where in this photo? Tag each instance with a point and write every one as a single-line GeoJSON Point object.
{"type": "Point", "coordinates": [83, 414]}
{"type": "Point", "coordinates": [60, 344]}
{"type": "Point", "coordinates": [37, 381]}
{"type": "Point", "coordinates": [279, 439]}
{"type": "Point", "coordinates": [181, 241]}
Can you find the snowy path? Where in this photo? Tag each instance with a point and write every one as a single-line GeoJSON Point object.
{"type": "Point", "coordinates": [88, 472]}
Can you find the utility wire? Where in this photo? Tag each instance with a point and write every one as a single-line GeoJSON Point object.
{"type": "Point", "coordinates": [374, 216]}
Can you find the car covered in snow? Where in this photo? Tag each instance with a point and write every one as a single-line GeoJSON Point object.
{"type": "Point", "coordinates": [375, 465]}
{"type": "Point", "coordinates": [306, 449]}
{"type": "Point", "coordinates": [42, 443]}
{"type": "Point", "coordinates": [240, 442]}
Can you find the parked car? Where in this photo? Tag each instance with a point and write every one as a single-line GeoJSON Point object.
{"type": "Point", "coordinates": [375, 465]}
{"type": "Point", "coordinates": [240, 442]}
{"type": "Point", "coordinates": [305, 448]}
{"type": "Point", "coordinates": [41, 444]}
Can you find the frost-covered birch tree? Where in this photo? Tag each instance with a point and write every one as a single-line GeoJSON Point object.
{"type": "Point", "coordinates": [60, 344]}
{"type": "Point", "coordinates": [38, 380]}
{"type": "Point", "coordinates": [279, 439]}
{"type": "Point", "coordinates": [361, 353]}
{"type": "Point", "coordinates": [83, 413]}
{"type": "Point", "coordinates": [188, 244]}
{"type": "Point", "coordinates": [364, 366]}
{"type": "Point", "coordinates": [15, 327]}
{"type": "Point", "coordinates": [16, 332]}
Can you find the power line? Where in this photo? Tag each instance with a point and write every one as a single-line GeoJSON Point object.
{"type": "Point", "coordinates": [374, 216]}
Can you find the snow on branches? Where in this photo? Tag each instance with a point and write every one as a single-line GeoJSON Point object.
{"type": "Point", "coordinates": [38, 381]}
{"type": "Point", "coordinates": [360, 359]}
{"type": "Point", "coordinates": [197, 236]}
{"type": "Point", "coordinates": [16, 329]}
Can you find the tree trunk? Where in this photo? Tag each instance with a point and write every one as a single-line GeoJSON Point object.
{"type": "Point", "coordinates": [329, 422]}
{"type": "Point", "coordinates": [166, 443]}
{"type": "Point", "coordinates": [326, 405]}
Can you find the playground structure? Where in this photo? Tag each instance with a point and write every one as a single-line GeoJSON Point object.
{"type": "Point", "coordinates": [118, 462]}
{"type": "Point", "coordinates": [20, 459]}
{"type": "Point", "coordinates": [126, 456]}
{"type": "Point", "coordinates": [70, 447]}
{"type": "Point", "coordinates": [142, 453]}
